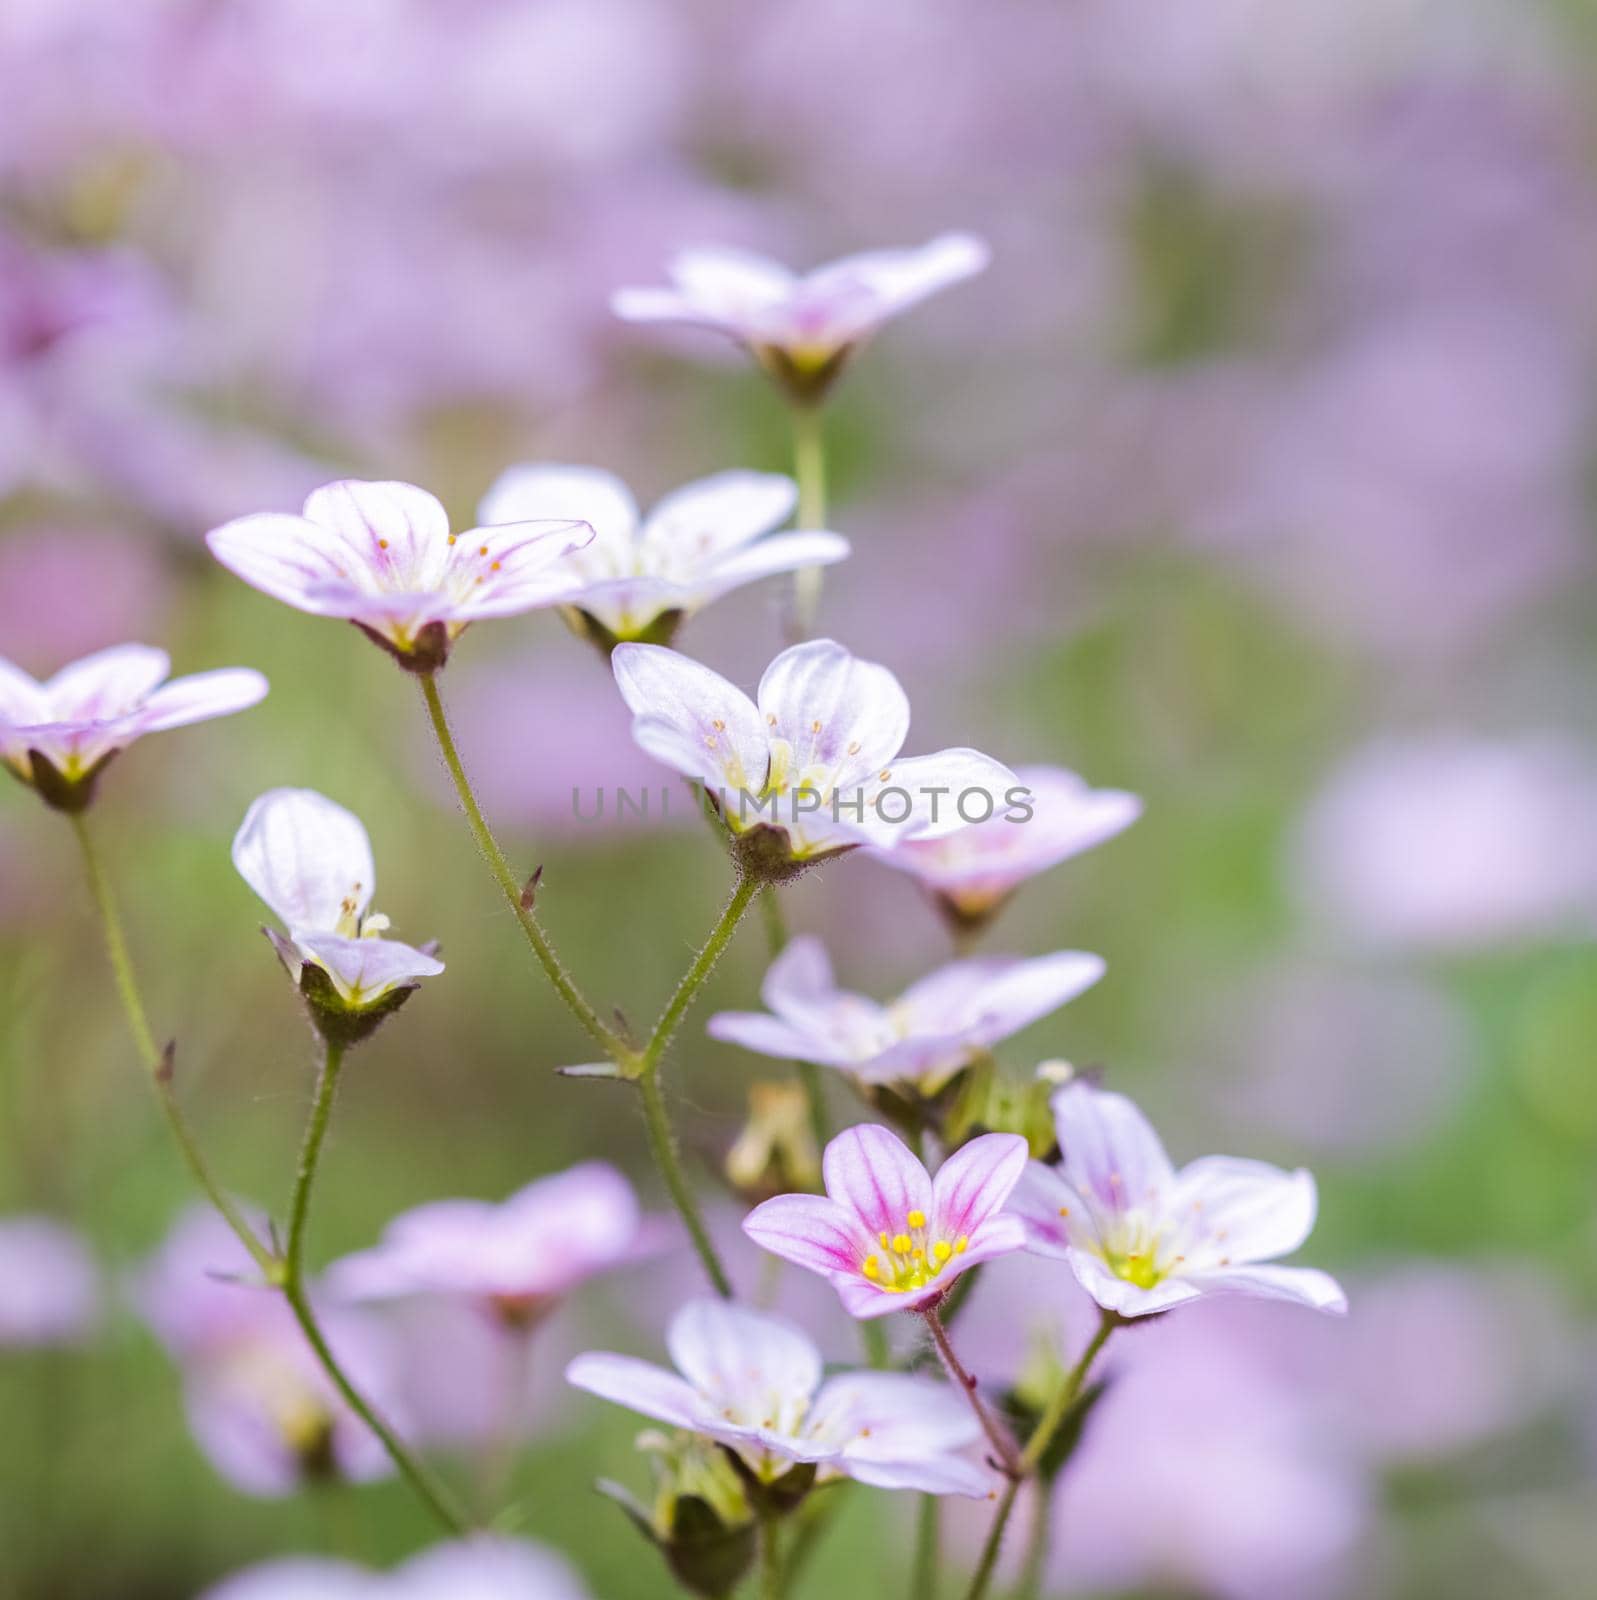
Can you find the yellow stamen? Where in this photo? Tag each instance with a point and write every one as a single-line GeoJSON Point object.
{"type": "Point", "coordinates": [917, 1219]}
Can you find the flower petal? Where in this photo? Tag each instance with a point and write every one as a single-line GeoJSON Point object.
{"type": "Point", "coordinates": [743, 1361]}
{"type": "Point", "coordinates": [765, 1035]}
{"type": "Point", "coordinates": [845, 716]}
{"type": "Point", "coordinates": [712, 517]}
{"type": "Point", "coordinates": [364, 970]}
{"type": "Point", "coordinates": [691, 718]}
{"type": "Point", "coordinates": [23, 702]}
{"type": "Point", "coordinates": [898, 279]}
{"type": "Point", "coordinates": [108, 684]}
{"type": "Point", "coordinates": [483, 1567]}
{"type": "Point", "coordinates": [809, 1231]}
{"type": "Point", "coordinates": [290, 559]}
{"type": "Point", "coordinates": [540, 490]}
{"type": "Point", "coordinates": [871, 1171]}
{"type": "Point", "coordinates": [974, 1183]}
{"type": "Point", "coordinates": [929, 1475]}
{"type": "Point", "coordinates": [987, 1001]}
{"type": "Point", "coordinates": [1242, 1211]}
{"type": "Point", "coordinates": [639, 1386]}
{"type": "Point", "coordinates": [1112, 1156]}
{"type": "Point", "coordinates": [937, 786]}
{"type": "Point", "coordinates": [384, 523]}
{"type": "Point", "coordinates": [307, 857]}
{"type": "Point", "coordinates": [782, 552]}
{"type": "Point", "coordinates": [888, 1415]}
{"type": "Point", "coordinates": [1118, 1294]}
{"type": "Point", "coordinates": [1302, 1285]}
{"type": "Point", "coordinates": [521, 565]}
{"type": "Point", "coordinates": [201, 696]}
{"type": "Point", "coordinates": [1056, 1218]}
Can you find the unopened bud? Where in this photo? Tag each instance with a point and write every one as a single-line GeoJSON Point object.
{"type": "Point", "coordinates": [776, 1152]}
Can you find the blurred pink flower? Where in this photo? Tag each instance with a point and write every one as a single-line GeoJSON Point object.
{"type": "Point", "coordinates": [752, 1382]}
{"type": "Point", "coordinates": [259, 1404]}
{"type": "Point", "coordinates": [975, 870]}
{"type": "Point", "coordinates": [515, 1260]}
{"type": "Point", "coordinates": [640, 577]}
{"type": "Point", "coordinates": [1450, 843]}
{"type": "Point", "coordinates": [485, 1567]}
{"type": "Point", "coordinates": [802, 329]}
{"type": "Point", "coordinates": [58, 735]}
{"type": "Point", "coordinates": [49, 1283]}
{"type": "Point", "coordinates": [66, 591]}
{"type": "Point", "coordinates": [886, 1235]}
{"type": "Point", "coordinates": [924, 1036]}
{"type": "Point", "coordinates": [381, 555]}
{"type": "Point", "coordinates": [310, 860]}
{"type": "Point", "coordinates": [1142, 1237]}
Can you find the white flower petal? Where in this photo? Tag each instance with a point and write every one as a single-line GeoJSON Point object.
{"type": "Point", "coordinates": [743, 1361]}
{"type": "Point", "coordinates": [519, 566]}
{"type": "Point", "coordinates": [1305, 1286]}
{"type": "Point", "coordinates": [714, 516]}
{"type": "Point", "coordinates": [1112, 1156]}
{"type": "Point", "coordinates": [841, 715]}
{"type": "Point", "coordinates": [386, 523]}
{"type": "Point", "coordinates": [290, 559]}
{"type": "Point", "coordinates": [1241, 1211]}
{"type": "Point", "coordinates": [107, 684]}
{"type": "Point", "coordinates": [639, 1386]}
{"type": "Point", "coordinates": [691, 718]}
{"type": "Point", "coordinates": [364, 970]}
{"type": "Point", "coordinates": [307, 857]}
{"type": "Point", "coordinates": [539, 490]}
{"type": "Point", "coordinates": [200, 696]}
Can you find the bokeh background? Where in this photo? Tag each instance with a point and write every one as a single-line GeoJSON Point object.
{"type": "Point", "coordinates": [1254, 476]}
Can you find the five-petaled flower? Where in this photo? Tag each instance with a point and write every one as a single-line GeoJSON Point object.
{"type": "Point", "coordinates": [516, 1260]}
{"type": "Point", "coordinates": [58, 735]}
{"type": "Point", "coordinates": [753, 1382]}
{"type": "Point", "coordinates": [925, 1036]}
{"type": "Point", "coordinates": [802, 328]}
{"type": "Point", "coordinates": [381, 555]}
{"type": "Point", "coordinates": [642, 576]}
{"type": "Point", "coordinates": [809, 767]}
{"type": "Point", "coordinates": [972, 872]}
{"type": "Point", "coordinates": [1142, 1237]}
{"type": "Point", "coordinates": [310, 860]}
{"type": "Point", "coordinates": [886, 1235]}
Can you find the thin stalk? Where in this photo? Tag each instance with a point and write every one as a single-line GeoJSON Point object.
{"type": "Point", "coordinates": [542, 949]}
{"type": "Point", "coordinates": [291, 1278]}
{"type": "Point", "coordinates": [772, 1585]}
{"type": "Point", "coordinates": [997, 1435]}
{"type": "Point", "coordinates": [923, 1584]}
{"type": "Point", "coordinates": [663, 1144]}
{"type": "Point", "coordinates": [156, 1062]}
{"type": "Point", "coordinates": [1053, 1417]}
{"type": "Point", "coordinates": [809, 468]}
{"type": "Point", "coordinates": [694, 978]}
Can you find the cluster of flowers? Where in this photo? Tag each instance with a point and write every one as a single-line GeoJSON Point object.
{"type": "Point", "coordinates": [1059, 1168]}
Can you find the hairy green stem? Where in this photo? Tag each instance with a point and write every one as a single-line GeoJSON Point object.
{"type": "Point", "coordinates": [290, 1277]}
{"type": "Point", "coordinates": [663, 1144]}
{"type": "Point", "coordinates": [1053, 1417]}
{"type": "Point", "coordinates": [509, 886]}
{"type": "Point", "coordinates": [156, 1061]}
{"type": "Point", "coordinates": [997, 1435]}
{"type": "Point", "coordinates": [772, 1584]}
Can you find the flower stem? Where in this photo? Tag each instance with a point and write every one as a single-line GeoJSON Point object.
{"type": "Point", "coordinates": [156, 1061]}
{"type": "Point", "coordinates": [923, 1584]}
{"type": "Point", "coordinates": [553, 968]}
{"type": "Point", "coordinates": [646, 1073]}
{"type": "Point", "coordinates": [772, 1585]}
{"type": "Point", "coordinates": [1053, 1417]}
{"type": "Point", "coordinates": [809, 468]}
{"type": "Point", "coordinates": [693, 980]}
{"type": "Point", "coordinates": [290, 1277]}
{"type": "Point", "coordinates": [1003, 1445]}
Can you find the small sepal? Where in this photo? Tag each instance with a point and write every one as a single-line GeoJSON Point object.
{"type": "Point", "coordinates": [661, 629]}
{"type": "Point", "coordinates": [766, 854]}
{"type": "Point", "coordinates": [60, 792]}
{"type": "Point", "coordinates": [804, 383]}
{"type": "Point", "coordinates": [426, 653]}
{"type": "Point", "coordinates": [780, 1495]}
{"type": "Point", "coordinates": [339, 1023]}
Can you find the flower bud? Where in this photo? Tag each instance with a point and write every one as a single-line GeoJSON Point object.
{"type": "Point", "coordinates": [701, 1522]}
{"type": "Point", "coordinates": [776, 1152]}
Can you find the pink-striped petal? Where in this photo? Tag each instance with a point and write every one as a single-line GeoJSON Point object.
{"type": "Point", "coordinates": [810, 1232]}
{"type": "Point", "coordinates": [872, 1172]}
{"type": "Point", "coordinates": [975, 1182]}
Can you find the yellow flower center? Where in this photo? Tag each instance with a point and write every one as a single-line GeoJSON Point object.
{"type": "Point", "coordinates": [911, 1259]}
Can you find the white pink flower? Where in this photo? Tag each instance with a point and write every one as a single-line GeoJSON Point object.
{"type": "Point", "coordinates": [887, 1235]}
{"type": "Point", "coordinates": [813, 757]}
{"type": "Point", "coordinates": [642, 575]}
{"type": "Point", "coordinates": [753, 1382]}
{"type": "Point", "coordinates": [381, 555]}
{"type": "Point", "coordinates": [974, 870]}
{"type": "Point", "coordinates": [310, 860]}
{"type": "Point", "coordinates": [517, 1259]}
{"type": "Point", "coordinates": [802, 328]}
{"type": "Point", "coordinates": [932, 1030]}
{"type": "Point", "coordinates": [1142, 1237]}
{"type": "Point", "coordinates": [58, 735]}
